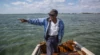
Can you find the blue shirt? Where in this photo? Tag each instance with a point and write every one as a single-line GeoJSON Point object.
{"type": "Point", "coordinates": [44, 22]}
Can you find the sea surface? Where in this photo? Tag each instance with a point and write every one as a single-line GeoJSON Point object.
{"type": "Point", "coordinates": [18, 38]}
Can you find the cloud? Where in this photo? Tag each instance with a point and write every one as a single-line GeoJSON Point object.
{"type": "Point", "coordinates": [29, 0]}
{"type": "Point", "coordinates": [90, 5]}
{"type": "Point", "coordinates": [19, 3]}
{"type": "Point", "coordinates": [58, 0]}
{"type": "Point", "coordinates": [6, 5]}
{"type": "Point", "coordinates": [70, 3]}
{"type": "Point", "coordinates": [34, 7]}
{"type": "Point", "coordinates": [44, 6]}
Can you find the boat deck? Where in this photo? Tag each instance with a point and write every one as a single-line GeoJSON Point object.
{"type": "Point", "coordinates": [75, 53]}
{"type": "Point", "coordinates": [67, 48]}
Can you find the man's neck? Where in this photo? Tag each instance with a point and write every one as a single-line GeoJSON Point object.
{"type": "Point", "coordinates": [54, 20]}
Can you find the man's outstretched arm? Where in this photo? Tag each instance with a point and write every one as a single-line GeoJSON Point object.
{"type": "Point", "coordinates": [38, 21]}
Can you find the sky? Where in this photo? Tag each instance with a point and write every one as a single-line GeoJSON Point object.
{"type": "Point", "coordinates": [44, 6]}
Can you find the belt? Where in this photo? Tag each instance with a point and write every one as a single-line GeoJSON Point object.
{"type": "Point", "coordinates": [52, 36]}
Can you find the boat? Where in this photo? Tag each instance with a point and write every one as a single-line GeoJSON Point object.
{"type": "Point", "coordinates": [69, 47]}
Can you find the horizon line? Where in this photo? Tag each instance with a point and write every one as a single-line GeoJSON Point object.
{"type": "Point", "coordinates": [58, 13]}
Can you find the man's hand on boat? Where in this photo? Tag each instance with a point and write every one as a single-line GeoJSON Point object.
{"type": "Point", "coordinates": [23, 20]}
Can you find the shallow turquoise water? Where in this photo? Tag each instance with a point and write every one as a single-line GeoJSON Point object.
{"type": "Point", "coordinates": [18, 38]}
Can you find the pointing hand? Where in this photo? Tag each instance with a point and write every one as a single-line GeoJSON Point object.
{"type": "Point", "coordinates": [23, 20]}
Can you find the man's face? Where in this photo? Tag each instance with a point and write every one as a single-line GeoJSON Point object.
{"type": "Point", "coordinates": [52, 16]}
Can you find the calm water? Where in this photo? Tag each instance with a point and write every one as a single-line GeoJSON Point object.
{"type": "Point", "coordinates": [18, 38]}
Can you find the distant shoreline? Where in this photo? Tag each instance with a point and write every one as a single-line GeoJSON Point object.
{"type": "Point", "coordinates": [47, 13]}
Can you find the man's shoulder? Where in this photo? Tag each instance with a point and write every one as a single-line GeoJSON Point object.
{"type": "Point", "coordinates": [60, 20]}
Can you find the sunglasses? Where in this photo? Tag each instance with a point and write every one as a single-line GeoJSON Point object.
{"type": "Point", "coordinates": [51, 15]}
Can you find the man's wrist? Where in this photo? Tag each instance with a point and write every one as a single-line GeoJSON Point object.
{"type": "Point", "coordinates": [25, 20]}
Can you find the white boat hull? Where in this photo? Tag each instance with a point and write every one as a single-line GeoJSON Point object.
{"type": "Point", "coordinates": [38, 52]}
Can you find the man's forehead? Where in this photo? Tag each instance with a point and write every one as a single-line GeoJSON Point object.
{"type": "Point", "coordinates": [52, 12]}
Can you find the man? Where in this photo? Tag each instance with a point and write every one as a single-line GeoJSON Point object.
{"type": "Point", "coordinates": [54, 30]}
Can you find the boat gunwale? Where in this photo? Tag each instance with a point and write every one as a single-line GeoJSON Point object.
{"type": "Point", "coordinates": [88, 52]}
